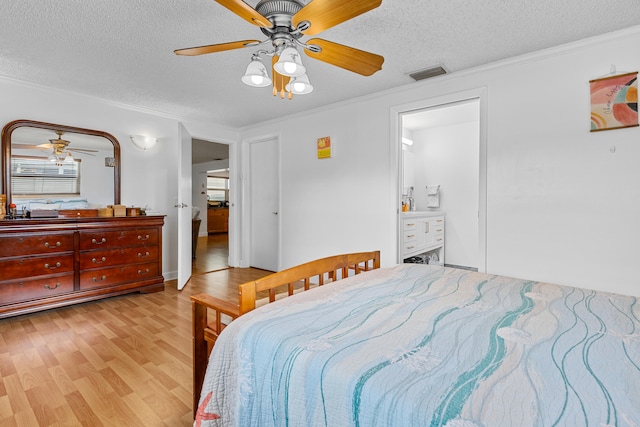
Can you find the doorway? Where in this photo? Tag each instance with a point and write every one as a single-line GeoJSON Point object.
{"type": "Point", "coordinates": [445, 145]}
{"type": "Point", "coordinates": [211, 188]}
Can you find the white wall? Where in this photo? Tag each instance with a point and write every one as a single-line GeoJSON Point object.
{"type": "Point", "coordinates": [449, 156]}
{"type": "Point", "coordinates": [148, 178]}
{"type": "Point", "coordinates": [560, 206]}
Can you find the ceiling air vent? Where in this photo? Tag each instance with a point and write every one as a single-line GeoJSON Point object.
{"type": "Point", "coordinates": [428, 73]}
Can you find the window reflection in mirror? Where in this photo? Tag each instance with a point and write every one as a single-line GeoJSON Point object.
{"type": "Point", "coordinates": [59, 167]}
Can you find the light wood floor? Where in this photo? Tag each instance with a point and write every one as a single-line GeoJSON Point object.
{"type": "Point", "coordinates": [123, 361]}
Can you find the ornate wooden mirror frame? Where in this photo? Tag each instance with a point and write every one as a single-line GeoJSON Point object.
{"type": "Point", "coordinates": [6, 151]}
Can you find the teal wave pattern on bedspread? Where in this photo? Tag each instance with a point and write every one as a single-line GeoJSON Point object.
{"type": "Point", "coordinates": [419, 345]}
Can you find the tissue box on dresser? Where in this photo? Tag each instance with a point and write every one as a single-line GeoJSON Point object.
{"type": "Point", "coordinates": [118, 210]}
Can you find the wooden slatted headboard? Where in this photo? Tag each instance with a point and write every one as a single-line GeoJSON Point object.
{"type": "Point", "coordinates": [206, 328]}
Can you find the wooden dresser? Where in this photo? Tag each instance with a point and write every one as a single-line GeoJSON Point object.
{"type": "Point", "coordinates": [217, 220]}
{"type": "Point", "coordinates": [50, 263]}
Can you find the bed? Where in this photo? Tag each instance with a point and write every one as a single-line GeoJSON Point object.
{"type": "Point", "coordinates": [418, 345]}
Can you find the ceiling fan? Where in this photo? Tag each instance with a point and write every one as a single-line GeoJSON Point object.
{"type": "Point", "coordinates": [59, 148]}
{"type": "Point", "coordinates": [284, 22]}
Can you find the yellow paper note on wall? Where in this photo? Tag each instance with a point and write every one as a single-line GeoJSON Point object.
{"type": "Point", "coordinates": [324, 147]}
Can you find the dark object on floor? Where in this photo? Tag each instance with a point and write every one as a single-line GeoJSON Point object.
{"type": "Point", "coordinates": [195, 229]}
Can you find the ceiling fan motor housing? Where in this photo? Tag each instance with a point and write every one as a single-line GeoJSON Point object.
{"type": "Point", "coordinates": [279, 13]}
{"type": "Point", "coordinates": [269, 8]}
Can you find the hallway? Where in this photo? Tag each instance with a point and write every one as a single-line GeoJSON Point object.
{"type": "Point", "coordinates": [212, 253]}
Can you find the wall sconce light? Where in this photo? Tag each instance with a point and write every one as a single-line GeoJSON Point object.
{"type": "Point", "coordinates": [407, 141]}
{"type": "Point", "coordinates": [144, 142]}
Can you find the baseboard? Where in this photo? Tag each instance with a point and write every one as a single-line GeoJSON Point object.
{"type": "Point", "coordinates": [461, 267]}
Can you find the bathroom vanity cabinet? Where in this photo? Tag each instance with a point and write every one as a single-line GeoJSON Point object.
{"type": "Point", "coordinates": [422, 232]}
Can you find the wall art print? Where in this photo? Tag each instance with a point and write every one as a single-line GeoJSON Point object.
{"type": "Point", "coordinates": [614, 102]}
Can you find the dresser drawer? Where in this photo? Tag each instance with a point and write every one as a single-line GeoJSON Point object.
{"type": "Point", "coordinates": [112, 257]}
{"type": "Point", "coordinates": [109, 239]}
{"type": "Point", "coordinates": [117, 275]}
{"type": "Point", "coordinates": [409, 236]}
{"type": "Point", "coordinates": [31, 244]}
{"type": "Point", "coordinates": [24, 290]}
{"type": "Point", "coordinates": [438, 229]}
{"type": "Point", "coordinates": [409, 225]}
{"type": "Point", "coordinates": [17, 268]}
{"type": "Point", "coordinates": [409, 247]}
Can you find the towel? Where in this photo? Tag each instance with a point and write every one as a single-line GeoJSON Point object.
{"type": "Point", "coordinates": [433, 196]}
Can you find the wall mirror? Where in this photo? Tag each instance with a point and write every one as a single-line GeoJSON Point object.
{"type": "Point", "coordinates": [50, 166]}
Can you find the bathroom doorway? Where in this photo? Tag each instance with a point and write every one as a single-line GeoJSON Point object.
{"type": "Point", "coordinates": [441, 143]}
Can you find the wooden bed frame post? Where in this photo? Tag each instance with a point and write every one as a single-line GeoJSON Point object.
{"type": "Point", "coordinates": [206, 330]}
{"type": "Point", "coordinates": [200, 350]}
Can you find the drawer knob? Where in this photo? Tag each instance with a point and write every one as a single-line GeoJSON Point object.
{"type": "Point", "coordinates": [145, 271]}
{"type": "Point", "coordinates": [95, 261]}
{"type": "Point", "coordinates": [56, 286]}
{"type": "Point", "coordinates": [146, 254]}
{"type": "Point", "coordinates": [146, 237]}
{"type": "Point", "coordinates": [410, 247]}
{"type": "Point", "coordinates": [48, 245]}
{"type": "Point", "coordinates": [52, 267]}
{"type": "Point", "coordinates": [99, 279]}
{"type": "Point", "coordinates": [103, 240]}
{"type": "Point", "coordinates": [411, 235]}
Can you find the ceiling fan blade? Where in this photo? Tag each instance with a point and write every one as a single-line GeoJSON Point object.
{"type": "Point", "coordinates": [246, 12]}
{"type": "Point", "coordinates": [19, 146]}
{"type": "Point", "coordinates": [212, 48]}
{"type": "Point", "coordinates": [81, 150]}
{"type": "Point", "coordinates": [324, 14]}
{"type": "Point", "coordinates": [349, 58]}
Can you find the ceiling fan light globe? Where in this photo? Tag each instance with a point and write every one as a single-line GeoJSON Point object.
{"type": "Point", "coordinates": [300, 85]}
{"type": "Point", "coordinates": [257, 80]}
{"type": "Point", "coordinates": [256, 74]}
{"type": "Point", "coordinates": [289, 64]}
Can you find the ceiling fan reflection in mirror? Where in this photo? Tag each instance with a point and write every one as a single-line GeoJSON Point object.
{"type": "Point", "coordinates": [284, 22]}
{"type": "Point", "coordinates": [59, 149]}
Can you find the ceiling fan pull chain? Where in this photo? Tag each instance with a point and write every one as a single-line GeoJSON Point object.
{"type": "Point", "coordinates": [281, 86]}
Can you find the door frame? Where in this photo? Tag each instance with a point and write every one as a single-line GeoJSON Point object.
{"type": "Point", "coordinates": [395, 157]}
{"type": "Point", "coordinates": [244, 197]}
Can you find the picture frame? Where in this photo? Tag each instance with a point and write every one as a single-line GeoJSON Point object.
{"type": "Point", "coordinates": [614, 102]}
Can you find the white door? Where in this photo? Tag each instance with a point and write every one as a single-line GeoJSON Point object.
{"type": "Point", "coordinates": [184, 207]}
{"type": "Point", "coordinates": [265, 201]}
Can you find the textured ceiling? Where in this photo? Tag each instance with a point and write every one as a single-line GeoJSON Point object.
{"type": "Point", "coordinates": [122, 50]}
